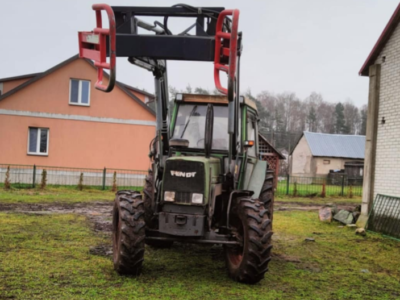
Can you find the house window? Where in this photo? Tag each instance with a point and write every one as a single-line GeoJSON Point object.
{"type": "Point", "coordinates": [1, 88]}
{"type": "Point", "coordinates": [146, 99]}
{"type": "Point", "coordinates": [79, 93]}
{"type": "Point", "coordinates": [38, 141]}
{"type": "Point", "coordinates": [327, 161]}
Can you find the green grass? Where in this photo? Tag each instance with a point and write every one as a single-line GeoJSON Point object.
{"type": "Point", "coordinates": [47, 257]}
{"type": "Point", "coordinates": [318, 200]}
{"type": "Point", "coordinates": [54, 195]}
{"type": "Point", "coordinates": [73, 195]}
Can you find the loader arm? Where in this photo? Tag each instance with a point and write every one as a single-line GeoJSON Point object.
{"type": "Point", "coordinates": [216, 40]}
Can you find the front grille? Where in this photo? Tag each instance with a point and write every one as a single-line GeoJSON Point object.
{"type": "Point", "coordinates": [183, 197]}
{"type": "Point", "coordinates": [184, 186]}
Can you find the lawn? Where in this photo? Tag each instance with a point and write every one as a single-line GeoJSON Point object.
{"type": "Point", "coordinates": [311, 201]}
{"type": "Point", "coordinates": [47, 256]}
{"type": "Point", "coordinates": [54, 194]}
{"type": "Point", "coordinates": [73, 195]}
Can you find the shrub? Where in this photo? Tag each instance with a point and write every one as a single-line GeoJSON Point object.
{"type": "Point", "coordinates": [80, 184]}
{"type": "Point", "coordinates": [7, 183]}
{"type": "Point", "coordinates": [43, 182]}
{"type": "Point", "coordinates": [114, 186]}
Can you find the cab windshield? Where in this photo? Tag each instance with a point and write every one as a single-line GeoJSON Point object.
{"type": "Point", "coordinates": [191, 121]}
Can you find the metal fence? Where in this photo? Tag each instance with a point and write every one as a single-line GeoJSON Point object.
{"type": "Point", "coordinates": [28, 176]}
{"type": "Point", "coordinates": [385, 216]}
{"type": "Point", "coordinates": [319, 186]}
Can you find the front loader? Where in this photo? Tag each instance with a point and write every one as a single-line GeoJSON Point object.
{"type": "Point", "coordinates": [206, 183]}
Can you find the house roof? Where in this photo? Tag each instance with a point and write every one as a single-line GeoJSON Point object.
{"type": "Point", "coordinates": [272, 147]}
{"type": "Point", "coordinates": [384, 37]}
{"type": "Point", "coordinates": [137, 90]}
{"type": "Point", "coordinates": [39, 76]}
{"type": "Point", "coordinates": [19, 77]}
{"type": "Point", "coordinates": [335, 145]}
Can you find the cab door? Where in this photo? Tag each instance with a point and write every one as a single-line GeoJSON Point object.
{"type": "Point", "coordinates": [251, 155]}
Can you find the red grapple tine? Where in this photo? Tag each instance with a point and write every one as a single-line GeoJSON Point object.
{"type": "Point", "coordinates": [231, 52]}
{"type": "Point", "coordinates": [98, 38]}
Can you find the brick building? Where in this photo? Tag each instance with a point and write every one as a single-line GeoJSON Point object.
{"type": "Point", "coordinates": [58, 118]}
{"type": "Point", "coordinates": [382, 162]}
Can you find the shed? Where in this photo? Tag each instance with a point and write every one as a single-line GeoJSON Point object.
{"type": "Point", "coordinates": [316, 154]}
{"type": "Point", "coordinates": [270, 155]}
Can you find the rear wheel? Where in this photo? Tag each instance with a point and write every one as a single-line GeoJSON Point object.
{"type": "Point", "coordinates": [253, 227]}
{"type": "Point", "coordinates": [267, 194]}
{"type": "Point", "coordinates": [151, 220]}
{"type": "Point", "coordinates": [128, 233]}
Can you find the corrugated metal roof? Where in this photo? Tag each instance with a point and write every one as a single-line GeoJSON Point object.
{"type": "Point", "coordinates": [336, 145]}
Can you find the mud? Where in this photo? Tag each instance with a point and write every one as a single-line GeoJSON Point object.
{"type": "Point", "coordinates": [283, 206]}
{"type": "Point", "coordinates": [99, 213]}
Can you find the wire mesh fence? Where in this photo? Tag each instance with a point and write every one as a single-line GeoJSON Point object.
{"type": "Point", "coordinates": [319, 186]}
{"type": "Point", "coordinates": [28, 176]}
{"type": "Point", "coordinates": [385, 216]}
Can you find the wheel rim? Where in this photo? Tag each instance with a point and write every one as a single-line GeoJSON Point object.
{"type": "Point", "coordinates": [116, 234]}
{"type": "Point", "coordinates": [235, 254]}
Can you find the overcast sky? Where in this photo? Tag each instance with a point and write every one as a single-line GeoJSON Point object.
{"type": "Point", "coordinates": [289, 45]}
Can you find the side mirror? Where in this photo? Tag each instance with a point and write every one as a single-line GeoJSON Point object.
{"type": "Point", "coordinates": [248, 144]}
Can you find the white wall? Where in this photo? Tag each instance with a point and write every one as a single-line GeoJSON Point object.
{"type": "Point", "coordinates": [301, 159]}
{"type": "Point", "coordinates": [387, 169]}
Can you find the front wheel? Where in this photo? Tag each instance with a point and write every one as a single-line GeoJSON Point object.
{"type": "Point", "coordinates": [128, 233]}
{"type": "Point", "coordinates": [253, 228]}
{"type": "Point", "coordinates": [150, 220]}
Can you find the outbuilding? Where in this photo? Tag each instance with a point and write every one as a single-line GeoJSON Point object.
{"type": "Point", "coordinates": [319, 154]}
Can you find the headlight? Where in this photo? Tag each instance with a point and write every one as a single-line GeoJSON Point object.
{"type": "Point", "coordinates": [197, 198]}
{"type": "Point", "coordinates": [169, 196]}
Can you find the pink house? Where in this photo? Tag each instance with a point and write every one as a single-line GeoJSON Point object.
{"type": "Point", "coordinates": [58, 118]}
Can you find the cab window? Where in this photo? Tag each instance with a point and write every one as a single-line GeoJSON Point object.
{"type": "Point", "coordinates": [251, 135]}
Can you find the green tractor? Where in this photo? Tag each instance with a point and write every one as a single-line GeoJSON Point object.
{"type": "Point", "coordinates": [206, 183]}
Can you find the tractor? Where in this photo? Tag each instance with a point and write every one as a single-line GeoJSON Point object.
{"type": "Point", "coordinates": [207, 183]}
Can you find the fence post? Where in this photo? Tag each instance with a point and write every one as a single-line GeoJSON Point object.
{"type": "Point", "coordinates": [104, 178]}
{"type": "Point", "coordinates": [342, 185]}
{"type": "Point", "coordinates": [287, 184]}
{"type": "Point", "coordinates": [34, 176]}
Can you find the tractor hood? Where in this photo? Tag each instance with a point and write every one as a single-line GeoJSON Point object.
{"type": "Point", "coordinates": [186, 178]}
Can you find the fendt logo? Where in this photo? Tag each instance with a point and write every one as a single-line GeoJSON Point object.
{"type": "Point", "coordinates": [183, 174]}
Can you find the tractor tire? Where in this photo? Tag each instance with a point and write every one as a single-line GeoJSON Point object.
{"type": "Point", "coordinates": [151, 221]}
{"type": "Point", "coordinates": [267, 194]}
{"type": "Point", "coordinates": [128, 233]}
{"type": "Point", "coordinates": [253, 227]}
{"type": "Point", "coordinates": [148, 192]}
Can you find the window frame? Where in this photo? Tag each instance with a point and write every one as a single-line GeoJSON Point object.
{"type": "Point", "coordinates": [38, 141]}
{"type": "Point", "coordinates": [251, 117]}
{"type": "Point", "coordinates": [79, 103]}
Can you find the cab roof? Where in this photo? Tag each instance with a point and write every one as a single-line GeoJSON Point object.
{"type": "Point", "coordinates": [218, 99]}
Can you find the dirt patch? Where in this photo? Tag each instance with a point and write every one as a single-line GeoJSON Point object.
{"type": "Point", "coordinates": [286, 258]}
{"type": "Point", "coordinates": [282, 206]}
{"type": "Point", "coordinates": [101, 250]}
{"type": "Point", "coordinates": [98, 213]}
